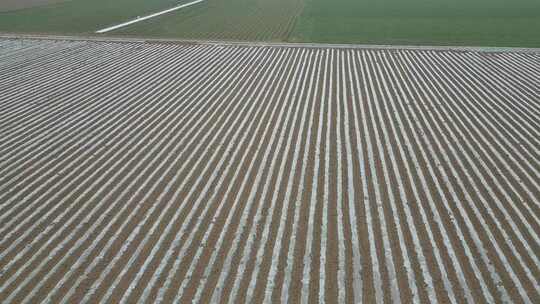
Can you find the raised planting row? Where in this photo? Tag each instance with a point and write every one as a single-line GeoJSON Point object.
{"type": "Point", "coordinates": [144, 172]}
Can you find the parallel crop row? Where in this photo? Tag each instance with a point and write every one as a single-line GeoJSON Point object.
{"type": "Point", "coordinates": [163, 172]}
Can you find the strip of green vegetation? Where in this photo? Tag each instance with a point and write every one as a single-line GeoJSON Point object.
{"type": "Point", "coordinates": [421, 22]}
{"type": "Point", "coordinates": [413, 22]}
{"type": "Point", "coordinates": [247, 20]}
{"type": "Point", "coordinates": [78, 16]}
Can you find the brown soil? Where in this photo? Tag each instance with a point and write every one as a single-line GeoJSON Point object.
{"type": "Point", "coordinates": [148, 172]}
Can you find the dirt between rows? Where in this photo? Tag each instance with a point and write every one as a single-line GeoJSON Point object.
{"type": "Point", "coordinates": [249, 172]}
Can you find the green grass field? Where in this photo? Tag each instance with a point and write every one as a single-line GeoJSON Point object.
{"type": "Point", "coordinates": [253, 20]}
{"type": "Point", "coordinates": [414, 22]}
{"type": "Point", "coordinates": [77, 16]}
{"type": "Point", "coordinates": [440, 22]}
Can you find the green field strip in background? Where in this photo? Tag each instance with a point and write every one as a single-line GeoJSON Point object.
{"type": "Point", "coordinates": [500, 23]}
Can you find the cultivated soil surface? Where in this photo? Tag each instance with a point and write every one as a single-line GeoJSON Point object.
{"type": "Point", "coordinates": [175, 172]}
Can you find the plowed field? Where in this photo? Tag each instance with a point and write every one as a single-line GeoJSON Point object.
{"type": "Point", "coordinates": [151, 172]}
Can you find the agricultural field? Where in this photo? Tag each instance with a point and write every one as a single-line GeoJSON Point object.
{"type": "Point", "coordinates": [253, 20]}
{"type": "Point", "coordinates": [437, 22]}
{"type": "Point", "coordinates": [77, 16]}
{"type": "Point", "coordinates": [13, 5]}
{"type": "Point", "coordinates": [403, 22]}
{"type": "Point", "coordinates": [144, 172]}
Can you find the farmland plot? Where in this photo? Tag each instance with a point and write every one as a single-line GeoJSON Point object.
{"type": "Point", "coordinates": [11, 5]}
{"type": "Point", "coordinates": [247, 20]}
{"type": "Point", "coordinates": [260, 20]}
{"type": "Point", "coordinates": [401, 22]}
{"type": "Point", "coordinates": [78, 16]}
{"type": "Point", "coordinates": [152, 172]}
{"type": "Point", "coordinates": [421, 22]}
